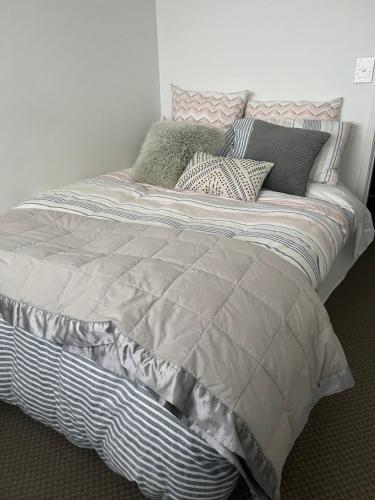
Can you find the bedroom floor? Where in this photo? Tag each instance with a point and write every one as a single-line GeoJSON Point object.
{"type": "Point", "coordinates": [333, 459]}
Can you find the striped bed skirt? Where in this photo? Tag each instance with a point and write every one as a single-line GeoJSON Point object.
{"type": "Point", "coordinates": [131, 432]}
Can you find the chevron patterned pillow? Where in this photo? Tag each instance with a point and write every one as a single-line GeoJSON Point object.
{"type": "Point", "coordinates": [207, 108]}
{"type": "Point", "coordinates": [224, 177]}
{"type": "Point", "coordinates": [294, 110]}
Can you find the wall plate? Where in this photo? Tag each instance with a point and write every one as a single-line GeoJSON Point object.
{"type": "Point", "coordinates": [364, 70]}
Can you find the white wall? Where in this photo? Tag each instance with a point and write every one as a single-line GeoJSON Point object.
{"type": "Point", "coordinates": [290, 49]}
{"type": "Point", "coordinates": [79, 86]}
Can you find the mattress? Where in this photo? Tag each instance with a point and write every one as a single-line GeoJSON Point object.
{"type": "Point", "coordinates": [361, 232]}
{"type": "Point", "coordinates": [137, 433]}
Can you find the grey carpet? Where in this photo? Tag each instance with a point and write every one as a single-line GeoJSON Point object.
{"type": "Point", "coordinates": [334, 458]}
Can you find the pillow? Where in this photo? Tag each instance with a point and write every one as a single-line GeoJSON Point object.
{"type": "Point", "coordinates": [326, 166]}
{"type": "Point", "coordinates": [225, 177]}
{"type": "Point", "coordinates": [168, 148]}
{"type": "Point", "coordinates": [216, 109]}
{"type": "Point", "coordinates": [228, 142]}
{"type": "Point", "coordinates": [294, 110]}
{"type": "Point", "coordinates": [292, 150]}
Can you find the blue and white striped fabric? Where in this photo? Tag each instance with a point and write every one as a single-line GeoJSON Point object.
{"type": "Point", "coordinates": [236, 142]}
{"type": "Point", "coordinates": [134, 435]}
{"type": "Point", "coordinates": [229, 142]}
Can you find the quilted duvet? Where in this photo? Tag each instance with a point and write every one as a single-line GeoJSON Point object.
{"type": "Point", "coordinates": [229, 333]}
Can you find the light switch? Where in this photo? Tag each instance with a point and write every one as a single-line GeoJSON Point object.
{"type": "Point", "coordinates": [364, 70]}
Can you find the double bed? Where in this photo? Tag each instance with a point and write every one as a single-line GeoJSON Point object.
{"type": "Point", "coordinates": [180, 335]}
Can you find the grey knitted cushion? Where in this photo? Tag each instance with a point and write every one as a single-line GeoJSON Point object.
{"type": "Point", "coordinates": [291, 150]}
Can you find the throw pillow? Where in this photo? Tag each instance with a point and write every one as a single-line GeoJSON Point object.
{"type": "Point", "coordinates": [217, 109]}
{"type": "Point", "coordinates": [292, 150]}
{"type": "Point", "coordinates": [294, 110]}
{"type": "Point", "coordinates": [168, 148]}
{"type": "Point", "coordinates": [326, 167]}
{"type": "Point", "coordinates": [225, 177]}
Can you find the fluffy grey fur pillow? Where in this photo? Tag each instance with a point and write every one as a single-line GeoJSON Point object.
{"type": "Point", "coordinates": [168, 148]}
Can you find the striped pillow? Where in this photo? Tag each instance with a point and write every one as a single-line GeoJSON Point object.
{"type": "Point", "coordinates": [294, 110]}
{"type": "Point", "coordinates": [327, 164]}
{"type": "Point", "coordinates": [207, 108]}
{"type": "Point", "coordinates": [224, 177]}
{"type": "Point", "coordinates": [229, 138]}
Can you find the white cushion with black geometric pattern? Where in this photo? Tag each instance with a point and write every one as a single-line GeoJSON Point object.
{"type": "Point", "coordinates": [226, 177]}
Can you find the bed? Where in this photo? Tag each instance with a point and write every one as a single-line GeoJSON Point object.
{"type": "Point", "coordinates": [170, 395]}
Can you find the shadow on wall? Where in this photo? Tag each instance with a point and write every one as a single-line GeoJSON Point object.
{"type": "Point", "coordinates": [79, 87]}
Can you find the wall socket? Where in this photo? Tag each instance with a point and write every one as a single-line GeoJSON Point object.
{"type": "Point", "coordinates": [364, 70]}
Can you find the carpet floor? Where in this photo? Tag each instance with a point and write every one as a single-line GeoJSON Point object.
{"type": "Point", "coordinates": [334, 458]}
